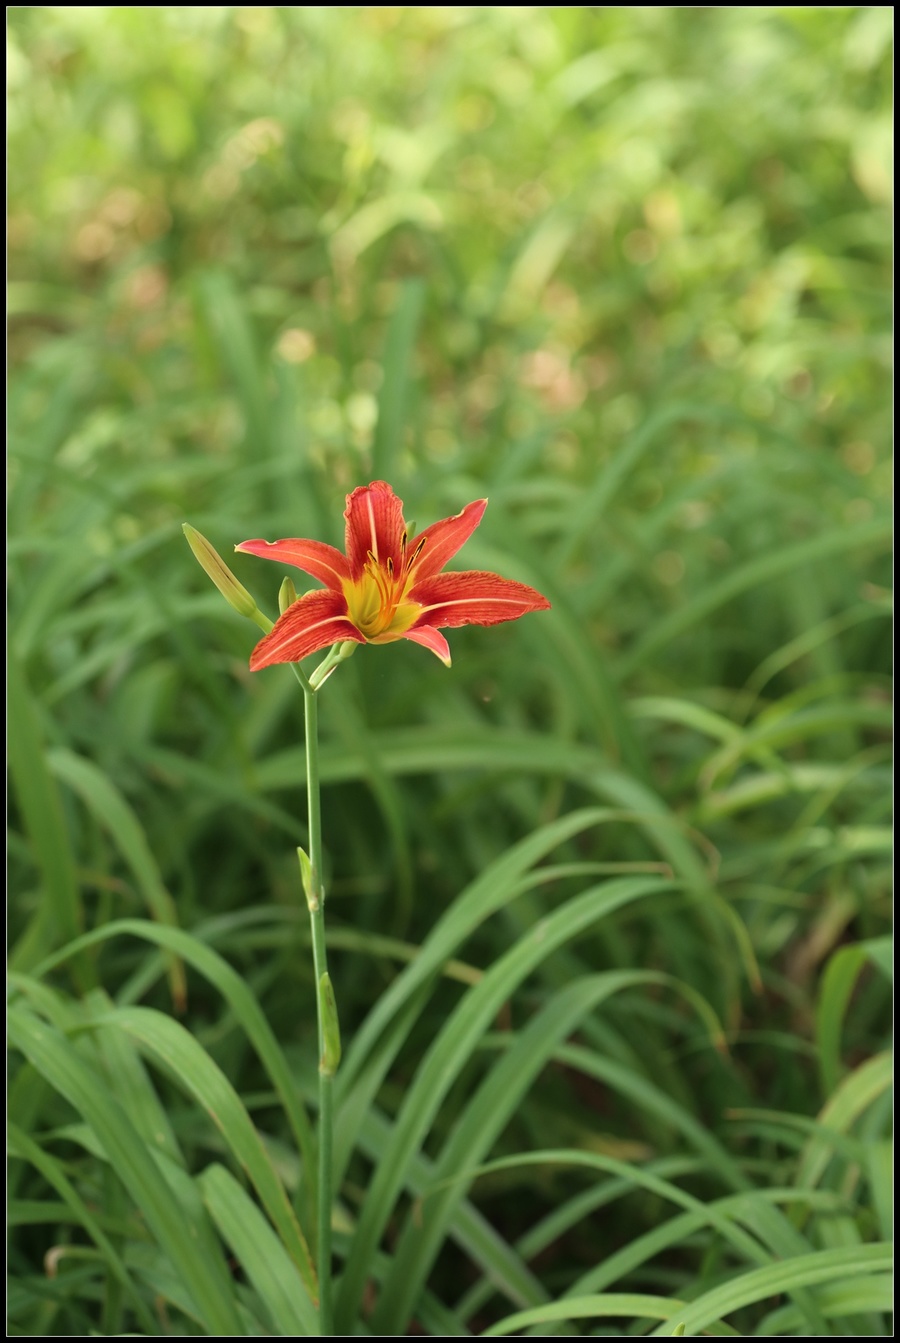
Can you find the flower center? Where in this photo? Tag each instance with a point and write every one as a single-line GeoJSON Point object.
{"type": "Point", "coordinates": [376, 605]}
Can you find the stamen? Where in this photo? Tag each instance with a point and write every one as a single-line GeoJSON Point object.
{"type": "Point", "coordinates": [382, 585]}
{"type": "Point", "coordinates": [386, 595]}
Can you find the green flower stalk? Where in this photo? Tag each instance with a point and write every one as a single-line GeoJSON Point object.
{"type": "Point", "coordinates": [313, 886]}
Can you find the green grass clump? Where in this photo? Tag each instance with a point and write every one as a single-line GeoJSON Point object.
{"type": "Point", "coordinates": [609, 900]}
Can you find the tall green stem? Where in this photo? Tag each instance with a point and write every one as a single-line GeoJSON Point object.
{"type": "Point", "coordinates": [315, 895]}
{"type": "Point", "coordinates": [241, 601]}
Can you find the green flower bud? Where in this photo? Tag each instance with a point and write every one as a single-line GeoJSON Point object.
{"type": "Point", "coordinates": [287, 595]}
{"type": "Point", "coordinates": [235, 594]}
{"type": "Point", "coordinates": [306, 876]}
{"type": "Point", "coordinates": [331, 1031]}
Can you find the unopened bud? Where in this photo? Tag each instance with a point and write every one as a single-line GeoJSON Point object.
{"type": "Point", "coordinates": [287, 595]}
{"type": "Point", "coordinates": [306, 876]}
{"type": "Point", "coordinates": [235, 594]}
{"type": "Point", "coordinates": [331, 1031]}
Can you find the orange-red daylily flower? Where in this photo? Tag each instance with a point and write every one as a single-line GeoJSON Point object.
{"type": "Point", "coordinates": [387, 586]}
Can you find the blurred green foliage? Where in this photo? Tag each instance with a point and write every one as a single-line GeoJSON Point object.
{"type": "Point", "coordinates": [626, 271]}
{"type": "Point", "coordinates": [610, 209]}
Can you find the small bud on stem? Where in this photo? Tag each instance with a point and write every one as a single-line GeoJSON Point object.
{"type": "Point", "coordinates": [331, 1055]}
{"type": "Point", "coordinates": [287, 595]}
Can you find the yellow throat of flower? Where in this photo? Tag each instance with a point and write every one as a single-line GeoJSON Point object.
{"type": "Point", "coordinates": [376, 605]}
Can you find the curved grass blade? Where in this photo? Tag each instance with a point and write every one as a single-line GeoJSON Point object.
{"type": "Point", "coordinates": [726, 1215]}
{"type": "Point", "coordinates": [498, 1261]}
{"type": "Point", "coordinates": [199, 1076]}
{"type": "Point", "coordinates": [836, 1300]}
{"type": "Point", "coordinates": [685, 713]}
{"type": "Point", "coordinates": [567, 1215]}
{"type": "Point", "coordinates": [790, 780]}
{"type": "Point", "coordinates": [19, 1144]}
{"type": "Point", "coordinates": [760, 569]}
{"type": "Point", "coordinates": [205, 1278]}
{"type": "Point", "coordinates": [880, 1170]}
{"type": "Point", "coordinates": [643, 1093]}
{"type": "Point", "coordinates": [723, 1215]}
{"type": "Point", "coordinates": [485, 1117]}
{"type": "Point", "coordinates": [369, 1051]}
{"type": "Point", "coordinates": [210, 783]}
{"type": "Point", "coordinates": [236, 993]}
{"type": "Point", "coordinates": [853, 1095]}
{"type": "Point", "coordinates": [449, 1053]}
{"type": "Point", "coordinates": [772, 1226]}
{"type": "Point", "coordinates": [259, 1253]}
{"type": "Point", "coordinates": [806, 642]}
{"type": "Point", "coordinates": [759, 741]}
{"type": "Point", "coordinates": [625, 1305]}
{"type": "Point", "coordinates": [107, 804]}
{"type": "Point", "coordinates": [805, 1270]}
{"type": "Point", "coordinates": [841, 973]}
{"type": "Point", "coordinates": [424, 751]}
{"type": "Point", "coordinates": [132, 1086]}
{"type": "Point", "coordinates": [61, 915]}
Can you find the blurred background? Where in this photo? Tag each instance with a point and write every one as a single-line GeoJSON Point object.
{"type": "Point", "coordinates": [624, 271]}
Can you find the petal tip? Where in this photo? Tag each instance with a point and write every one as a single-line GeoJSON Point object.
{"type": "Point", "coordinates": [432, 639]}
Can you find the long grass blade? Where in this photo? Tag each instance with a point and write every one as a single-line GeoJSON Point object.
{"type": "Point", "coordinates": [448, 1054]}
{"type": "Point", "coordinates": [260, 1254]}
{"type": "Point", "coordinates": [199, 1076]}
{"type": "Point", "coordinates": [206, 1279]}
{"type": "Point", "coordinates": [867, 1261]}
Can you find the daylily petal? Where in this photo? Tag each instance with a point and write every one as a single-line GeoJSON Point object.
{"type": "Point", "coordinates": [442, 540]}
{"type": "Point", "coordinates": [313, 557]}
{"type": "Point", "coordinates": [375, 526]}
{"type": "Point", "coordinates": [315, 621]}
{"type": "Point", "coordinates": [474, 598]}
{"type": "Point", "coordinates": [432, 639]}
